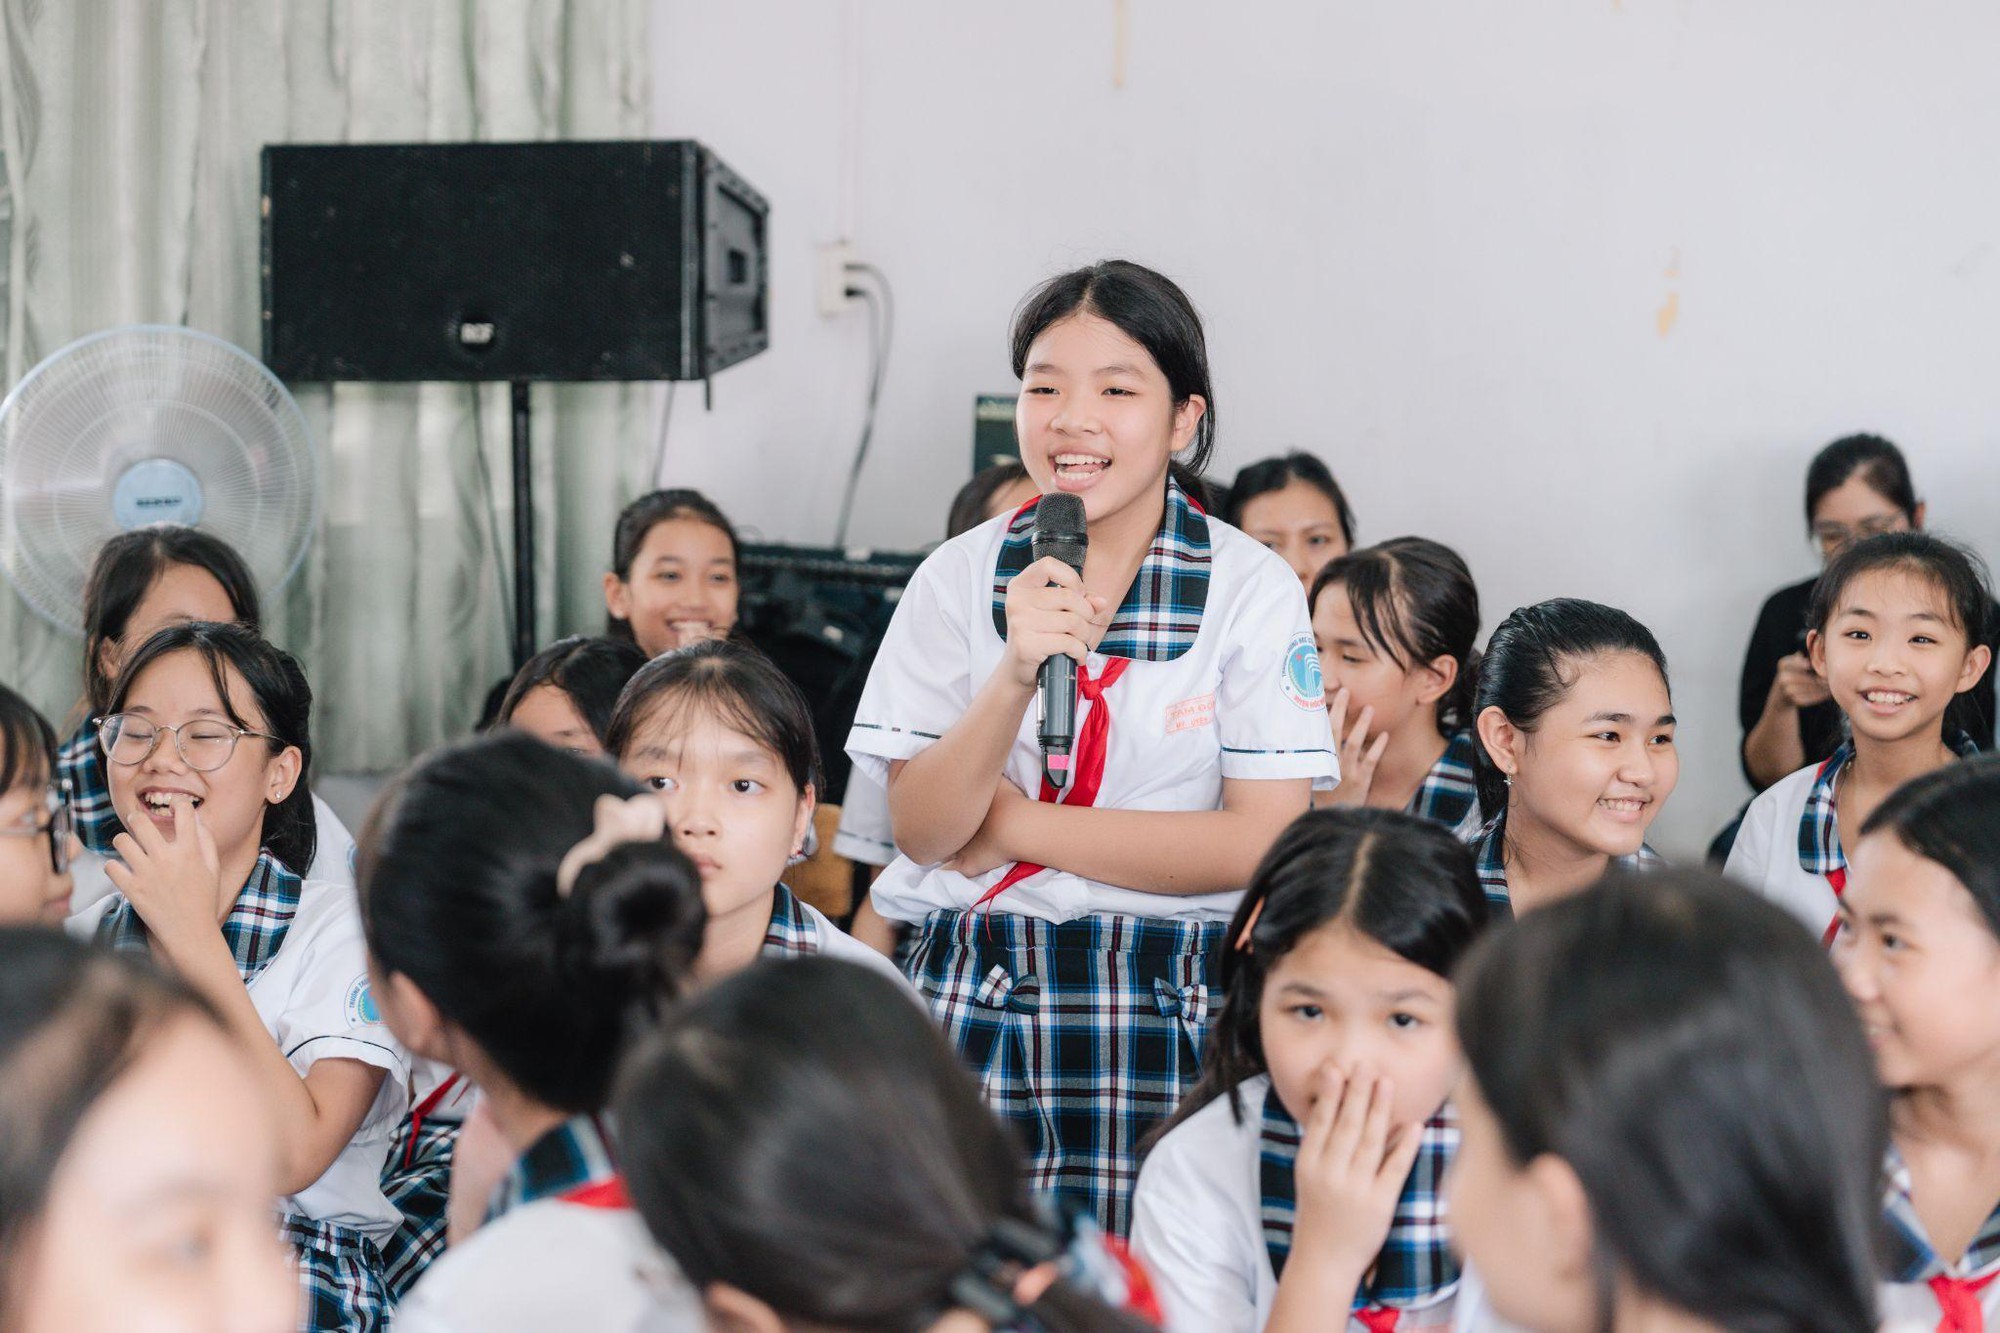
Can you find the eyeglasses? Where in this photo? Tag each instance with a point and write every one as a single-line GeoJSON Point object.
{"type": "Point", "coordinates": [59, 825]}
{"type": "Point", "coordinates": [1833, 536]}
{"type": "Point", "coordinates": [204, 745]}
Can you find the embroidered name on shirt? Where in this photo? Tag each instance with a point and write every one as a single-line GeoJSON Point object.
{"type": "Point", "coordinates": [1189, 714]}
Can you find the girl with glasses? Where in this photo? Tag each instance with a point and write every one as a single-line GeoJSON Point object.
{"type": "Point", "coordinates": [207, 747]}
{"type": "Point", "coordinates": [35, 838]}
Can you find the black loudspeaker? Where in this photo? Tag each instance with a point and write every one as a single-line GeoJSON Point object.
{"type": "Point", "coordinates": [520, 261]}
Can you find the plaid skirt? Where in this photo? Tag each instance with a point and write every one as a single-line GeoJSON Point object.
{"type": "Point", "coordinates": [416, 1178]}
{"type": "Point", "coordinates": [340, 1273]}
{"type": "Point", "coordinates": [1083, 1034]}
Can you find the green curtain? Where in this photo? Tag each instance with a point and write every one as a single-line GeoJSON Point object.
{"type": "Point", "coordinates": [131, 131]}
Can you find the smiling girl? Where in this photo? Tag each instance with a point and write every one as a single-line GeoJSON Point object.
{"type": "Point", "coordinates": [672, 580]}
{"type": "Point", "coordinates": [1898, 631]}
{"type": "Point", "coordinates": [1576, 749]}
{"type": "Point", "coordinates": [1067, 939]}
{"type": "Point", "coordinates": [35, 839]}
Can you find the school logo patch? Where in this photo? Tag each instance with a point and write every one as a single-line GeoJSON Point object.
{"type": "Point", "coordinates": [1302, 679]}
{"type": "Point", "coordinates": [361, 1010]}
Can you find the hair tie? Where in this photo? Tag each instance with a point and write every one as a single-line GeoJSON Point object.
{"type": "Point", "coordinates": [1250, 924]}
{"type": "Point", "coordinates": [615, 822]}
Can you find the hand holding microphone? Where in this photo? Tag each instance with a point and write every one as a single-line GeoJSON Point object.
{"type": "Point", "coordinates": [1060, 542]}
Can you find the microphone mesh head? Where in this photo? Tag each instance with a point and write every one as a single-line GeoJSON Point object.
{"type": "Point", "coordinates": [1060, 529]}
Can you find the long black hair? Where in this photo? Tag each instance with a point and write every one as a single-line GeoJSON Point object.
{"type": "Point", "coordinates": [641, 516]}
{"type": "Point", "coordinates": [279, 688]}
{"type": "Point", "coordinates": [1951, 815]}
{"type": "Point", "coordinates": [458, 883]}
{"type": "Point", "coordinates": [1879, 464]}
{"type": "Point", "coordinates": [1414, 601]}
{"type": "Point", "coordinates": [27, 744]}
{"type": "Point", "coordinates": [731, 681]}
{"type": "Point", "coordinates": [1531, 661]}
{"type": "Point", "coordinates": [128, 565]}
{"type": "Point", "coordinates": [1274, 474]}
{"type": "Point", "coordinates": [846, 1174]}
{"type": "Point", "coordinates": [1404, 882]}
{"type": "Point", "coordinates": [72, 1019]}
{"type": "Point", "coordinates": [590, 671]}
{"type": "Point", "coordinates": [1151, 310]}
{"type": "Point", "coordinates": [1689, 1052]}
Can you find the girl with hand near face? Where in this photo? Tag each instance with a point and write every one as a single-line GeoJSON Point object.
{"type": "Point", "coordinates": [36, 845]}
{"type": "Point", "coordinates": [1395, 624]}
{"type": "Point", "coordinates": [138, 1154]}
{"type": "Point", "coordinates": [1302, 1176]}
{"type": "Point", "coordinates": [1576, 753]}
{"type": "Point", "coordinates": [1899, 630]}
{"type": "Point", "coordinates": [208, 749]}
{"type": "Point", "coordinates": [672, 580]}
{"type": "Point", "coordinates": [1669, 1123]}
{"type": "Point", "coordinates": [1202, 727]}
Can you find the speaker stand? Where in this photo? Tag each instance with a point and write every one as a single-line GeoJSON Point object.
{"type": "Point", "coordinates": [524, 531]}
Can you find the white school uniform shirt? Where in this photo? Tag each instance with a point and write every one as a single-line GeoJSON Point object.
{"type": "Point", "coordinates": [865, 833]}
{"type": "Point", "coordinates": [1224, 683]}
{"type": "Point", "coordinates": [315, 1002]}
{"type": "Point", "coordinates": [333, 862]}
{"type": "Point", "coordinates": [1198, 1225]}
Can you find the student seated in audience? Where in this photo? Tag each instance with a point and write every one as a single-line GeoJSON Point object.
{"type": "Point", "coordinates": [1294, 506]}
{"type": "Point", "coordinates": [565, 693]}
{"type": "Point", "coordinates": [1669, 1121]}
{"type": "Point", "coordinates": [36, 843]}
{"type": "Point", "coordinates": [527, 918]}
{"type": "Point", "coordinates": [209, 749]}
{"type": "Point", "coordinates": [1919, 949]}
{"type": "Point", "coordinates": [1395, 625]}
{"type": "Point", "coordinates": [138, 1153]}
{"type": "Point", "coordinates": [1576, 754]}
{"type": "Point", "coordinates": [672, 580]}
{"type": "Point", "coordinates": [141, 582]}
{"type": "Point", "coordinates": [1898, 632]}
{"type": "Point", "coordinates": [811, 1155]}
{"type": "Point", "coordinates": [1302, 1176]}
{"type": "Point", "coordinates": [1858, 486]}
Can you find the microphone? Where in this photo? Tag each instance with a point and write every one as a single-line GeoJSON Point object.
{"type": "Point", "coordinates": [1060, 532]}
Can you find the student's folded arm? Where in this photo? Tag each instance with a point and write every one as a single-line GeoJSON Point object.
{"type": "Point", "coordinates": [938, 798]}
{"type": "Point", "coordinates": [1160, 851]}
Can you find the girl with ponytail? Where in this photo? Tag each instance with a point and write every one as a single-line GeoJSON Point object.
{"type": "Point", "coordinates": [527, 917]}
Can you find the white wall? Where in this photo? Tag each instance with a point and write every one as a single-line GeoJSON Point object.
{"type": "Point", "coordinates": [1577, 288]}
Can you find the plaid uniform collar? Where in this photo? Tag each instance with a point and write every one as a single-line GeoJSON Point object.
{"type": "Point", "coordinates": [1819, 823]}
{"type": "Point", "coordinates": [254, 929]}
{"type": "Point", "coordinates": [1449, 793]}
{"type": "Point", "coordinates": [572, 1156]}
{"type": "Point", "coordinates": [1416, 1264]}
{"type": "Point", "coordinates": [1161, 613]}
{"type": "Point", "coordinates": [80, 763]}
{"type": "Point", "coordinates": [792, 933]}
{"type": "Point", "coordinates": [1910, 1258]}
{"type": "Point", "coordinates": [1489, 854]}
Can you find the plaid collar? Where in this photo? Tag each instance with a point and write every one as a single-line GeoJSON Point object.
{"type": "Point", "coordinates": [574, 1155]}
{"type": "Point", "coordinates": [1489, 854]}
{"type": "Point", "coordinates": [1161, 613]}
{"type": "Point", "coordinates": [80, 763]}
{"type": "Point", "coordinates": [254, 929]}
{"type": "Point", "coordinates": [1449, 793]}
{"type": "Point", "coordinates": [1910, 1258]}
{"type": "Point", "coordinates": [1819, 824]}
{"type": "Point", "coordinates": [1416, 1264]}
{"type": "Point", "coordinates": [792, 932]}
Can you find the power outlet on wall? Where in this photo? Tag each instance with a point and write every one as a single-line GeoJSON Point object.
{"type": "Point", "coordinates": [833, 261]}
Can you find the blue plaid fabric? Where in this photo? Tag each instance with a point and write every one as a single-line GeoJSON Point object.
{"type": "Point", "coordinates": [1819, 825]}
{"type": "Point", "coordinates": [1449, 793]}
{"type": "Point", "coordinates": [1083, 1034]}
{"type": "Point", "coordinates": [1415, 1265]}
{"type": "Point", "coordinates": [1909, 1257]}
{"type": "Point", "coordinates": [416, 1178]}
{"type": "Point", "coordinates": [574, 1154]}
{"type": "Point", "coordinates": [254, 929]}
{"type": "Point", "coordinates": [792, 933]}
{"type": "Point", "coordinates": [340, 1274]}
{"type": "Point", "coordinates": [80, 763]}
{"type": "Point", "coordinates": [1489, 855]}
{"type": "Point", "coordinates": [1161, 613]}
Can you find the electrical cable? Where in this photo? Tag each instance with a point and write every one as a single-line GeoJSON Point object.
{"type": "Point", "coordinates": [882, 333]}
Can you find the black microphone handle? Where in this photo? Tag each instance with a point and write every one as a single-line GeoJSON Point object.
{"type": "Point", "coordinates": [1056, 728]}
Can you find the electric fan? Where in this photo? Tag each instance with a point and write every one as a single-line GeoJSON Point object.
{"type": "Point", "coordinates": [149, 424]}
